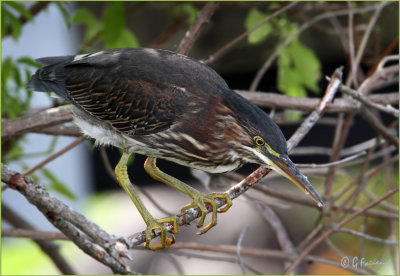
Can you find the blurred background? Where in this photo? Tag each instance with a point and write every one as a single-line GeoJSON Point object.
{"type": "Point", "coordinates": [81, 179]}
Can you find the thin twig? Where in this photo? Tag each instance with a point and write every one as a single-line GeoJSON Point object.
{"type": "Point", "coordinates": [46, 121]}
{"type": "Point", "coordinates": [212, 58]}
{"type": "Point", "coordinates": [68, 221]}
{"type": "Point", "coordinates": [257, 253]}
{"type": "Point", "coordinates": [365, 39]}
{"type": "Point", "coordinates": [50, 248]}
{"type": "Point", "coordinates": [190, 254]}
{"type": "Point", "coordinates": [308, 202]}
{"type": "Point", "coordinates": [378, 126]}
{"type": "Point", "coordinates": [339, 162]}
{"type": "Point", "coordinates": [34, 9]}
{"type": "Point", "coordinates": [350, 33]}
{"type": "Point", "coordinates": [46, 118]}
{"type": "Point", "coordinates": [238, 247]}
{"type": "Point", "coordinates": [366, 101]}
{"type": "Point", "coordinates": [367, 237]}
{"type": "Point", "coordinates": [339, 225]}
{"type": "Point", "coordinates": [261, 72]}
{"type": "Point", "coordinates": [33, 234]}
{"type": "Point", "coordinates": [194, 31]}
{"type": "Point", "coordinates": [55, 155]}
{"type": "Point", "coordinates": [330, 92]}
{"type": "Point", "coordinates": [279, 229]}
{"type": "Point", "coordinates": [348, 105]}
{"type": "Point", "coordinates": [59, 130]}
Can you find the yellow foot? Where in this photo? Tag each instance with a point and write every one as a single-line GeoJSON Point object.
{"type": "Point", "coordinates": [199, 200]}
{"type": "Point", "coordinates": [154, 224]}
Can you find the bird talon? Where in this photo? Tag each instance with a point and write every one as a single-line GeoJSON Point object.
{"type": "Point", "coordinates": [200, 200]}
{"type": "Point", "coordinates": [226, 197]}
{"type": "Point", "coordinates": [158, 224]}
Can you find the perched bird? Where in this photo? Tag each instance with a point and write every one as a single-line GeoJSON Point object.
{"type": "Point", "coordinates": [166, 105]}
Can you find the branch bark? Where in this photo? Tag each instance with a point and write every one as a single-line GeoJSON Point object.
{"type": "Point", "coordinates": [48, 247]}
{"type": "Point", "coordinates": [194, 31]}
{"type": "Point", "coordinates": [69, 222]}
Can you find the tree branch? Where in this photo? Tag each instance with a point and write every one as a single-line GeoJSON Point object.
{"type": "Point", "coordinates": [261, 72]}
{"type": "Point", "coordinates": [194, 31]}
{"type": "Point", "coordinates": [46, 118]}
{"type": "Point", "coordinates": [68, 221]}
{"type": "Point", "coordinates": [339, 225]}
{"type": "Point", "coordinates": [34, 9]}
{"type": "Point", "coordinates": [48, 247]}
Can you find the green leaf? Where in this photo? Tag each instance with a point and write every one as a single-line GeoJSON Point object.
{"type": "Point", "coordinates": [292, 115]}
{"type": "Point", "coordinates": [62, 7]}
{"type": "Point", "coordinates": [14, 153]}
{"type": "Point", "coordinates": [114, 22]}
{"type": "Point", "coordinates": [189, 9]}
{"type": "Point", "coordinates": [3, 23]}
{"type": "Point", "coordinates": [57, 185]}
{"type": "Point", "coordinates": [21, 9]}
{"type": "Point", "coordinates": [254, 17]}
{"type": "Point", "coordinates": [308, 65]}
{"type": "Point", "coordinates": [83, 16]}
{"type": "Point", "coordinates": [6, 69]}
{"type": "Point", "coordinates": [17, 77]}
{"type": "Point", "coordinates": [13, 22]}
{"type": "Point", "coordinates": [298, 70]}
{"type": "Point", "coordinates": [86, 17]}
{"type": "Point", "coordinates": [28, 61]}
{"type": "Point", "coordinates": [126, 39]}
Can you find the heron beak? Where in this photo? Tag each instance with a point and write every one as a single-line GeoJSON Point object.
{"type": "Point", "coordinates": [283, 165]}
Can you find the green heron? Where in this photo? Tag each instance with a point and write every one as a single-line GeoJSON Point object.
{"type": "Point", "coordinates": [166, 105]}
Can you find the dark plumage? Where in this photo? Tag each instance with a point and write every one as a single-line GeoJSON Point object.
{"type": "Point", "coordinates": [165, 105]}
{"type": "Point", "coordinates": [144, 91]}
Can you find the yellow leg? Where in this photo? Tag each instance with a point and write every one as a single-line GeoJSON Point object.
{"type": "Point", "coordinates": [199, 199]}
{"type": "Point", "coordinates": [151, 222]}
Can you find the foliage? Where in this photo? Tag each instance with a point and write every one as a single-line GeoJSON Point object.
{"type": "Point", "coordinates": [189, 9]}
{"type": "Point", "coordinates": [112, 32]}
{"type": "Point", "coordinates": [57, 185]}
{"type": "Point", "coordinates": [14, 76]}
{"type": "Point", "coordinates": [299, 68]}
{"type": "Point", "coordinates": [10, 13]}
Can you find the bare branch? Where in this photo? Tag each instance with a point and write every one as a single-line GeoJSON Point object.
{"type": "Point", "coordinates": [55, 155]}
{"type": "Point", "coordinates": [33, 234]}
{"type": "Point", "coordinates": [62, 130]}
{"type": "Point", "coordinates": [34, 9]}
{"type": "Point", "coordinates": [46, 118]}
{"type": "Point", "coordinates": [303, 27]}
{"type": "Point", "coordinates": [366, 101]}
{"type": "Point", "coordinates": [47, 121]}
{"type": "Point", "coordinates": [363, 44]}
{"type": "Point", "coordinates": [273, 100]}
{"type": "Point", "coordinates": [194, 31]}
{"type": "Point", "coordinates": [279, 229]}
{"type": "Point", "coordinates": [211, 59]}
{"type": "Point", "coordinates": [330, 92]}
{"type": "Point", "coordinates": [67, 220]}
{"type": "Point", "coordinates": [48, 247]}
{"type": "Point", "coordinates": [378, 126]}
{"type": "Point", "coordinates": [367, 237]}
{"type": "Point", "coordinates": [256, 253]}
{"type": "Point", "coordinates": [339, 225]}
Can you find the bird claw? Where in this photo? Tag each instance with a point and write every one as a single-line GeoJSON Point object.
{"type": "Point", "coordinates": [158, 224]}
{"type": "Point", "coordinates": [200, 200]}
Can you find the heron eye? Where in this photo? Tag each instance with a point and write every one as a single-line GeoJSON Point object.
{"type": "Point", "coordinates": [259, 141]}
